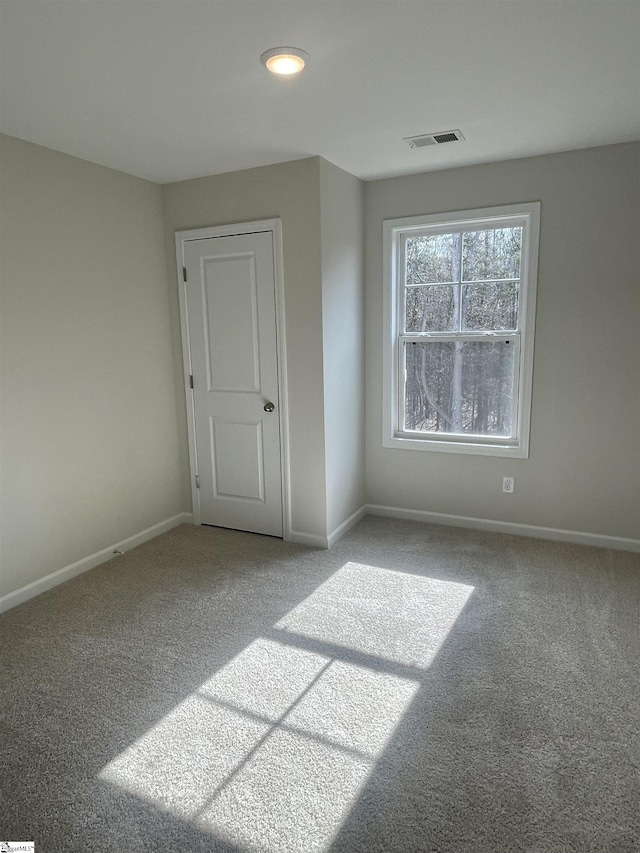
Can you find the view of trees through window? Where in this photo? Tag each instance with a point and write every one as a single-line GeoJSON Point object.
{"type": "Point", "coordinates": [461, 299]}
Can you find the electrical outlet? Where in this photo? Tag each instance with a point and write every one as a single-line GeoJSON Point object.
{"type": "Point", "coordinates": [508, 485]}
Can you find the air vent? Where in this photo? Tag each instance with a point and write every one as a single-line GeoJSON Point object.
{"type": "Point", "coordinates": [434, 138]}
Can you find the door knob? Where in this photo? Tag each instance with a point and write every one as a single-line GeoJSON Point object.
{"type": "Point", "coordinates": [269, 407]}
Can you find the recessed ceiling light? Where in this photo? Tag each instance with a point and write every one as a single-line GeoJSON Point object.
{"type": "Point", "coordinates": [284, 60]}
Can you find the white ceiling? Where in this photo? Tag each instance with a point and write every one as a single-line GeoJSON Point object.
{"type": "Point", "coordinates": [174, 89]}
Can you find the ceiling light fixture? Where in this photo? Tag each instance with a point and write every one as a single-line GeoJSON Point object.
{"type": "Point", "coordinates": [284, 60]}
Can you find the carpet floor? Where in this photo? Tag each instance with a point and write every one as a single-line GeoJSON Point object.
{"type": "Point", "coordinates": [415, 689]}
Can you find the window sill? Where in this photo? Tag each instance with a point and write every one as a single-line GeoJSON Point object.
{"type": "Point", "coordinates": [514, 451]}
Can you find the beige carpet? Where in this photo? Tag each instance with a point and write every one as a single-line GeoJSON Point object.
{"type": "Point", "coordinates": [416, 688]}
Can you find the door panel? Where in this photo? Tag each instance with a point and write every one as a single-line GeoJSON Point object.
{"type": "Point", "coordinates": [238, 459]}
{"type": "Point", "coordinates": [230, 299]}
{"type": "Point", "coordinates": [230, 305]}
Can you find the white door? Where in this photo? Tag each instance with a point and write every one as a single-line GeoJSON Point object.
{"type": "Point", "coordinates": [231, 319]}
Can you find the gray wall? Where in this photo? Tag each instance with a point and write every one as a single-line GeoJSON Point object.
{"type": "Point", "coordinates": [88, 430]}
{"type": "Point", "coordinates": [583, 470]}
{"type": "Point", "coordinates": [342, 235]}
{"type": "Point", "coordinates": [290, 191]}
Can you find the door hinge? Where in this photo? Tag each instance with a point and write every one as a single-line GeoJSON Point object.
{"type": "Point", "coordinates": [197, 482]}
{"type": "Point", "coordinates": [184, 273]}
{"type": "Point", "coordinates": [191, 381]}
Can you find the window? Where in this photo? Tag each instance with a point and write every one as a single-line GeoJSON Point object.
{"type": "Point", "coordinates": [459, 316]}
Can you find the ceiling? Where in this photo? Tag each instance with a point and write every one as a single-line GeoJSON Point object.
{"type": "Point", "coordinates": [174, 89]}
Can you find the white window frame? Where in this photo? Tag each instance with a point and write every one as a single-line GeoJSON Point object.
{"type": "Point", "coordinates": [395, 231]}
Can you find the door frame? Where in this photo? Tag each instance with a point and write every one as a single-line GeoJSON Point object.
{"type": "Point", "coordinates": [273, 226]}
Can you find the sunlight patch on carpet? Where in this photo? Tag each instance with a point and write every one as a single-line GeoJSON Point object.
{"type": "Point", "coordinates": [272, 752]}
{"type": "Point", "coordinates": [393, 615]}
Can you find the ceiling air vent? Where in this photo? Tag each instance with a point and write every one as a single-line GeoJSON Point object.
{"type": "Point", "coordinates": [434, 138]}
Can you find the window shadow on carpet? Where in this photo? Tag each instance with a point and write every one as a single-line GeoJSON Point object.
{"type": "Point", "coordinates": [273, 750]}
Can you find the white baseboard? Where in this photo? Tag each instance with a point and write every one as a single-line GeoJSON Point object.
{"type": "Point", "coordinates": [341, 529]}
{"type": "Point", "coordinates": [23, 594]}
{"type": "Point", "coordinates": [298, 537]}
{"type": "Point", "coordinates": [599, 540]}
{"type": "Point", "coordinates": [315, 541]}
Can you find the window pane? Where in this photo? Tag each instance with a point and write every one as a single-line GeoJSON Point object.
{"type": "Point", "coordinates": [432, 308]}
{"type": "Point", "coordinates": [460, 387]}
{"type": "Point", "coordinates": [492, 306]}
{"type": "Point", "coordinates": [491, 254]}
{"type": "Point", "coordinates": [432, 259]}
